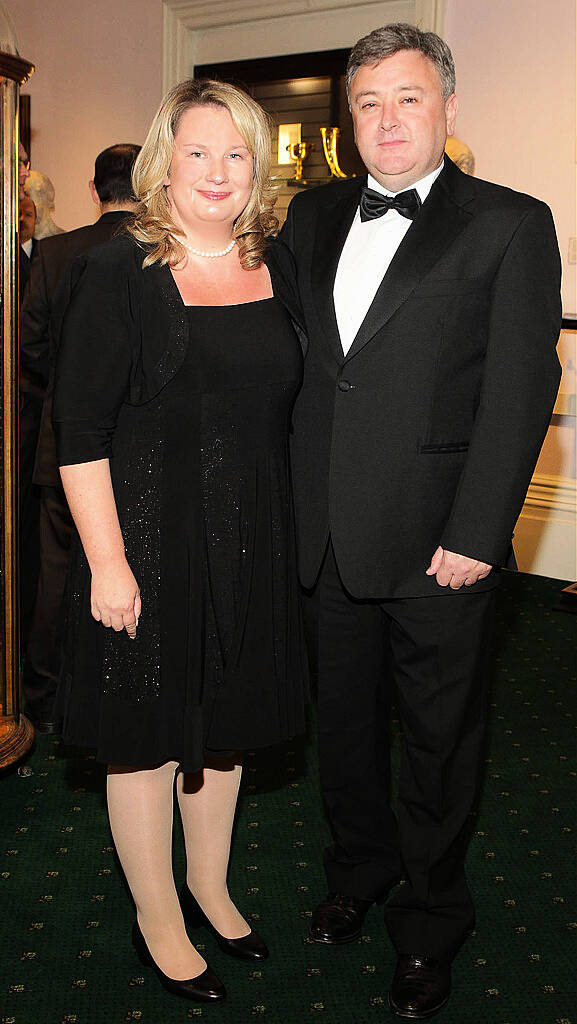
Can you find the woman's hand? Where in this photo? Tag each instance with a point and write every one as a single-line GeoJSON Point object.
{"type": "Point", "coordinates": [115, 597]}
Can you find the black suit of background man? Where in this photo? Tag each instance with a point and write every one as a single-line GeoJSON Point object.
{"type": "Point", "coordinates": [26, 225]}
{"type": "Point", "coordinates": [31, 393]}
{"type": "Point", "coordinates": [111, 189]}
{"type": "Point", "coordinates": [412, 454]}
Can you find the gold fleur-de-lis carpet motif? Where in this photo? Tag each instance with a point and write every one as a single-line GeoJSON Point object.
{"type": "Point", "coordinates": [65, 920]}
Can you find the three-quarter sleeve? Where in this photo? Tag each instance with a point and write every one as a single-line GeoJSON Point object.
{"type": "Point", "coordinates": [94, 360]}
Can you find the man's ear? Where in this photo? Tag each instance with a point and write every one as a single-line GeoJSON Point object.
{"type": "Point", "coordinates": [451, 108]}
{"type": "Point", "coordinates": [93, 192]}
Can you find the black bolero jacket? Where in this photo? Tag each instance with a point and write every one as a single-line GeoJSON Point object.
{"type": "Point", "coordinates": [145, 338]}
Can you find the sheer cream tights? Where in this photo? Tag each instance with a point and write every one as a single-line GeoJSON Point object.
{"type": "Point", "coordinates": [140, 809]}
{"type": "Point", "coordinates": [207, 819]}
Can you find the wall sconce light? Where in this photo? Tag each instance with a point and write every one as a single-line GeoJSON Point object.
{"type": "Point", "coordinates": [288, 135]}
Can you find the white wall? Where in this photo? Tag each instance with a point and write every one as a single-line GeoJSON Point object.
{"type": "Point", "coordinates": [97, 81]}
{"type": "Point", "coordinates": [515, 63]}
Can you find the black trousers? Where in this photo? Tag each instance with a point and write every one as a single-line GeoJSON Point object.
{"type": "Point", "coordinates": [44, 652]}
{"type": "Point", "coordinates": [29, 413]}
{"type": "Point", "coordinates": [431, 650]}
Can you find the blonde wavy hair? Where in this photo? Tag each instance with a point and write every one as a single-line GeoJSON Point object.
{"type": "Point", "coordinates": [153, 226]}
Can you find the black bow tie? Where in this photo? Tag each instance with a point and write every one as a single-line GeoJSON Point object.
{"type": "Point", "coordinates": [375, 204]}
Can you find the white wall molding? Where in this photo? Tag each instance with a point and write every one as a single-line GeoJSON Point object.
{"type": "Point", "coordinates": [552, 493]}
{"type": "Point", "coordinates": [430, 15]}
{"type": "Point", "coordinates": [175, 48]}
{"type": "Point", "coordinates": [545, 535]}
{"type": "Point", "coordinates": [184, 20]}
{"type": "Point", "coordinates": [197, 14]}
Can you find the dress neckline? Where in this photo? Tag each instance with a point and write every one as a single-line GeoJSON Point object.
{"type": "Point", "coordinates": [230, 305]}
{"type": "Point", "coordinates": [226, 305]}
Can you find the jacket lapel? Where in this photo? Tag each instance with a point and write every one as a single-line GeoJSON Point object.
{"type": "Point", "coordinates": [439, 223]}
{"type": "Point", "coordinates": [331, 234]}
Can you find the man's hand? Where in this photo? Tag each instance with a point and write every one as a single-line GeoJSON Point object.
{"type": "Point", "coordinates": [454, 570]}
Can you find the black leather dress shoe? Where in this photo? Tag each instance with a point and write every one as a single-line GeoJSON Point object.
{"type": "Point", "coordinates": [206, 988]}
{"type": "Point", "coordinates": [41, 714]}
{"type": "Point", "coordinates": [421, 987]}
{"type": "Point", "coordinates": [338, 919]}
{"type": "Point", "coordinates": [247, 947]}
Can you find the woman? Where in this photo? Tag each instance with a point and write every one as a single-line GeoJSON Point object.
{"type": "Point", "coordinates": [175, 381]}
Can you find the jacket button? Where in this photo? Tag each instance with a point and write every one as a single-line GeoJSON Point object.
{"type": "Point", "coordinates": [345, 385]}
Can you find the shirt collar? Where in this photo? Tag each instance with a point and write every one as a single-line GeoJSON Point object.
{"type": "Point", "coordinates": [423, 186]}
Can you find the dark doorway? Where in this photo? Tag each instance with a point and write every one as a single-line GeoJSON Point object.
{"type": "Point", "coordinates": [306, 88]}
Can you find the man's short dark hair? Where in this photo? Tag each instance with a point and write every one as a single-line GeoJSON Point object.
{"type": "Point", "coordinates": [390, 39]}
{"type": "Point", "coordinates": [113, 173]}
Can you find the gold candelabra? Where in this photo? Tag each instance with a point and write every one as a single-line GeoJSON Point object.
{"type": "Point", "coordinates": [330, 138]}
{"type": "Point", "coordinates": [298, 151]}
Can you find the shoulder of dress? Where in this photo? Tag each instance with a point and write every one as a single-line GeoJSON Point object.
{"type": "Point", "coordinates": [121, 252]}
{"type": "Point", "coordinates": [65, 241]}
{"type": "Point", "coordinates": [113, 264]}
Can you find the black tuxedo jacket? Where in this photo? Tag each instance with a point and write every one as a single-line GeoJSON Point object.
{"type": "Point", "coordinates": [51, 259]}
{"type": "Point", "coordinates": [428, 430]}
{"type": "Point", "coordinates": [24, 261]}
{"type": "Point", "coordinates": [30, 382]}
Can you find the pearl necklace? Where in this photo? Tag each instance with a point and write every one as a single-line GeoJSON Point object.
{"type": "Point", "coordinates": [207, 255]}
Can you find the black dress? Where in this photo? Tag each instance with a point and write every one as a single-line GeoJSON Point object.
{"type": "Point", "coordinates": [202, 486]}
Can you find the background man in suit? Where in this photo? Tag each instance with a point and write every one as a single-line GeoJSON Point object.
{"type": "Point", "coordinates": [430, 301]}
{"type": "Point", "coordinates": [111, 190]}
{"type": "Point", "coordinates": [23, 169]}
{"type": "Point", "coordinates": [31, 393]}
{"type": "Point", "coordinates": [26, 225]}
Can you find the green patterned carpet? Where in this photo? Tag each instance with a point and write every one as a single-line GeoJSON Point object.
{"type": "Point", "coordinates": [65, 917]}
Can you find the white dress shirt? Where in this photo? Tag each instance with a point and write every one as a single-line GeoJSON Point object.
{"type": "Point", "coordinates": [365, 259]}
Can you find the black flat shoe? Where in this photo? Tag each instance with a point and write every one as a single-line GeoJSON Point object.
{"type": "Point", "coordinates": [248, 947]}
{"type": "Point", "coordinates": [338, 919]}
{"type": "Point", "coordinates": [206, 988]}
{"type": "Point", "coordinates": [421, 987]}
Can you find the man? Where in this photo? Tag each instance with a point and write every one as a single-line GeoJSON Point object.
{"type": "Point", "coordinates": [111, 190]}
{"type": "Point", "coordinates": [29, 412]}
{"type": "Point", "coordinates": [23, 169]}
{"type": "Point", "coordinates": [26, 225]}
{"type": "Point", "coordinates": [430, 301]}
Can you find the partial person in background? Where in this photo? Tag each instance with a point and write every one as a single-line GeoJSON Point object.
{"type": "Point", "coordinates": [23, 169]}
{"type": "Point", "coordinates": [27, 242]}
{"type": "Point", "coordinates": [31, 393]}
{"type": "Point", "coordinates": [29, 411]}
{"type": "Point", "coordinates": [111, 190]}
{"type": "Point", "coordinates": [176, 376]}
{"type": "Point", "coordinates": [41, 191]}
{"type": "Point", "coordinates": [431, 304]}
